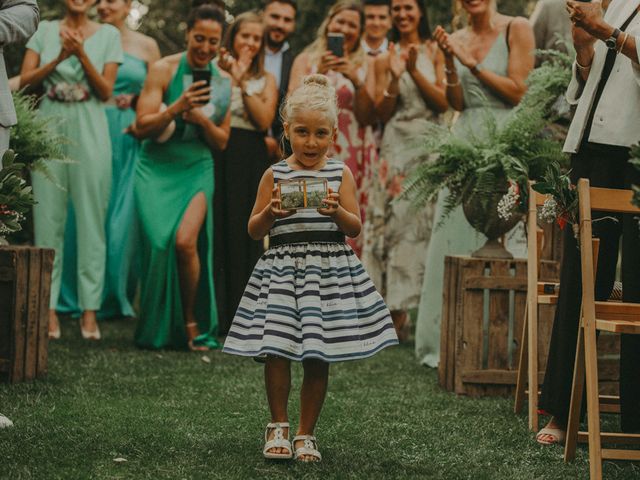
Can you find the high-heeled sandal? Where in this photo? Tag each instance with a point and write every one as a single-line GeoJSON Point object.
{"type": "Point", "coordinates": [278, 441]}
{"type": "Point", "coordinates": [87, 335]}
{"type": "Point", "coordinates": [310, 448]}
{"type": "Point", "coordinates": [192, 331]}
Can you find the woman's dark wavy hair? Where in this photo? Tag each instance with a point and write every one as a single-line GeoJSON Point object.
{"type": "Point", "coordinates": [206, 12]}
{"type": "Point", "coordinates": [424, 30]}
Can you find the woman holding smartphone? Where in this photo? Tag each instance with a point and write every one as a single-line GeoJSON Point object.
{"type": "Point", "coordinates": [410, 95]}
{"type": "Point", "coordinates": [337, 53]}
{"type": "Point", "coordinates": [254, 100]}
{"type": "Point", "coordinates": [174, 190]}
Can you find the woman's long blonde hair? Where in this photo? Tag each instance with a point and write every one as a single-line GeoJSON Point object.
{"type": "Point", "coordinates": [319, 45]}
{"type": "Point", "coordinates": [460, 17]}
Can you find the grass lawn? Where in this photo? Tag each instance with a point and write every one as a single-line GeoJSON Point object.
{"type": "Point", "coordinates": [173, 415]}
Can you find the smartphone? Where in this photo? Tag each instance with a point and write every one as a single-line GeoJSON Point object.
{"type": "Point", "coordinates": [202, 75]}
{"type": "Point", "coordinates": [335, 44]}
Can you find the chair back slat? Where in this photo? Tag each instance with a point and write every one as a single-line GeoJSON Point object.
{"type": "Point", "coordinates": [612, 200]}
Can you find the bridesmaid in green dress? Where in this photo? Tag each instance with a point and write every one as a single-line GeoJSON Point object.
{"type": "Point", "coordinates": [487, 63]}
{"type": "Point", "coordinates": [121, 275]}
{"type": "Point", "coordinates": [76, 61]}
{"type": "Point", "coordinates": [174, 189]}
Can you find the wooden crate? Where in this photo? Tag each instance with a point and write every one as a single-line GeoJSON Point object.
{"type": "Point", "coordinates": [25, 284]}
{"type": "Point", "coordinates": [482, 317]}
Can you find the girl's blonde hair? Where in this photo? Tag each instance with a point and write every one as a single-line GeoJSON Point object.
{"type": "Point", "coordinates": [319, 45]}
{"type": "Point", "coordinates": [461, 19]}
{"type": "Point", "coordinates": [315, 93]}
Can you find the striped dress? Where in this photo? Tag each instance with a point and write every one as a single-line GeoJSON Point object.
{"type": "Point", "coordinates": [309, 296]}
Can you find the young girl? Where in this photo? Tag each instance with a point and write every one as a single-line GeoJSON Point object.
{"type": "Point", "coordinates": [309, 299]}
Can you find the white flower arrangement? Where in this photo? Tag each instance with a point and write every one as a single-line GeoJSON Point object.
{"type": "Point", "coordinates": [69, 92]}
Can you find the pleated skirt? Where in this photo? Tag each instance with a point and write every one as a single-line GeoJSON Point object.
{"type": "Point", "coordinates": [310, 300]}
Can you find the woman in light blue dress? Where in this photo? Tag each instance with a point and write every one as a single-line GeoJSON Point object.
{"type": "Point", "coordinates": [121, 276]}
{"type": "Point", "coordinates": [487, 63]}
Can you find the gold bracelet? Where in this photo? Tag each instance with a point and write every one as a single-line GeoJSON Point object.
{"type": "Point", "coordinates": [454, 84]}
{"type": "Point", "coordinates": [582, 67]}
{"type": "Point", "coordinates": [626, 35]}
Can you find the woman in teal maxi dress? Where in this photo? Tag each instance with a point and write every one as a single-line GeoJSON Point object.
{"type": "Point", "coordinates": [481, 105]}
{"type": "Point", "coordinates": [170, 178]}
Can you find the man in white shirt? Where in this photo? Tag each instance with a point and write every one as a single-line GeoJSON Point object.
{"type": "Point", "coordinates": [280, 20]}
{"type": "Point", "coordinates": [377, 23]}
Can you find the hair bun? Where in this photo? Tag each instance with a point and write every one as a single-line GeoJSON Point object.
{"type": "Point", "coordinates": [316, 79]}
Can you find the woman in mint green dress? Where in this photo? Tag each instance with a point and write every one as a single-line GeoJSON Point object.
{"type": "Point", "coordinates": [487, 63]}
{"type": "Point", "coordinates": [174, 189]}
{"type": "Point", "coordinates": [76, 61]}
{"type": "Point", "coordinates": [122, 267]}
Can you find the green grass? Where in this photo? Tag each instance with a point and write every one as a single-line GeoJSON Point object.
{"type": "Point", "coordinates": [172, 415]}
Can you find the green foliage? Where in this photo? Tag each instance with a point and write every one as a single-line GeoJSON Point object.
{"type": "Point", "coordinates": [517, 151]}
{"type": "Point", "coordinates": [16, 197]}
{"type": "Point", "coordinates": [35, 136]}
{"type": "Point", "coordinates": [562, 203]}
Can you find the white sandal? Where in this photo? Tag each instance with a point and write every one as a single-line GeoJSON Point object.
{"type": "Point", "coordinates": [278, 441]}
{"type": "Point", "coordinates": [558, 435]}
{"type": "Point", "coordinates": [310, 448]}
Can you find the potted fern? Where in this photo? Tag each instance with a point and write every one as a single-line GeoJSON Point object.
{"type": "Point", "coordinates": [489, 174]}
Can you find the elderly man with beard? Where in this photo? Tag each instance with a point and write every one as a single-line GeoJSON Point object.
{"type": "Point", "coordinates": [280, 19]}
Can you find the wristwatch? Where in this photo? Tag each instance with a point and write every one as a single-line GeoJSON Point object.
{"type": "Point", "coordinates": [612, 41]}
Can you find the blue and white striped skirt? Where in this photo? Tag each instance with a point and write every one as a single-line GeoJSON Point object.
{"type": "Point", "coordinates": [310, 300]}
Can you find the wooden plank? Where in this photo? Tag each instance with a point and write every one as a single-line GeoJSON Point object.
{"type": "Point", "coordinates": [619, 326]}
{"type": "Point", "coordinates": [612, 200]}
{"type": "Point", "coordinates": [7, 273]}
{"type": "Point", "coordinates": [497, 282]}
{"type": "Point", "coordinates": [469, 325]}
{"type": "Point", "coordinates": [615, 438]}
{"type": "Point", "coordinates": [447, 325]}
{"type": "Point", "coordinates": [19, 316]}
{"type": "Point", "coordinates": [492, 377]}
{"type": "Point", "coordinates": [33, 294]}
{"type": "Point", "coordinates": [46, 267]}
{"type": "Point", "coordinates": [498, 355]}
{"type": "Point", "coordinates": [616, 454]}
{"type": "Point", "coordinates": [6, 318]}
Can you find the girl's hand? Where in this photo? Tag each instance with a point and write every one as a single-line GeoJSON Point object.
{"type": "Point", "coordinates": [236, 67]}
{"type": "Point", "coordinates": [442, 37]}
{"type": "Point", "coordinates": [332, 203]}
{"type": "Point", "coordinates": [195, 96]}
{"type": "Point", "coordinates": [275, 207]}
{"type": "Point", "coordinates": [397, 62]}
{"type": "Point", "coordinates": [328, 61]}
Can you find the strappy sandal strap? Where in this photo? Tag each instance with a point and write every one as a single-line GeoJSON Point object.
{"type": "Point", "coordinates": [278, 441]}
{"type": "Point", "coordinates": [310, 447]}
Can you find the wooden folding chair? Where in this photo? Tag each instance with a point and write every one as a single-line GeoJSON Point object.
{"type": "Point", "coordinates": [538, 293]}
{"type": "Point", "coordinates": [610, 316]}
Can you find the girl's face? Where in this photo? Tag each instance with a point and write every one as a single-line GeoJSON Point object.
{"type": "Point", "coordinates": [405, 15]}
{"type": "Point", "coordinates": [79, 6]}
{"type": "Point", "coordinates": [203, 41]}
{"type": "Point", "coordinates": [249, 37]}
{"type": "Point", "coordinates": [113, 11]}
{"type": "Point", "coordinates": [476, 7]}
{"type": "Point", "coordinates": [346, 22]}
{"type": "Point", "coordinates": [311, 134]}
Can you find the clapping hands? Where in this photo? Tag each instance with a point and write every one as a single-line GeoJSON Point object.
{"type": "Point", "coordinates": [72, 43]}
{"type": "Point", "coordinates": [399, 62]}
{"type": "Point", "coordinates": [452, 47]}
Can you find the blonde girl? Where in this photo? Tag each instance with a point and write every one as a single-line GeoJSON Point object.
{"type": "Point", "coordinates": [309, 299]}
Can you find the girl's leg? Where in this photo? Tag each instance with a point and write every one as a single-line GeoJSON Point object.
{"type": "Point", "coordinates": [277, 377]}
{"type": "Point", "coordinates": [312, 394]}
{"type": "Point", "coordinates": [188, 260]}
